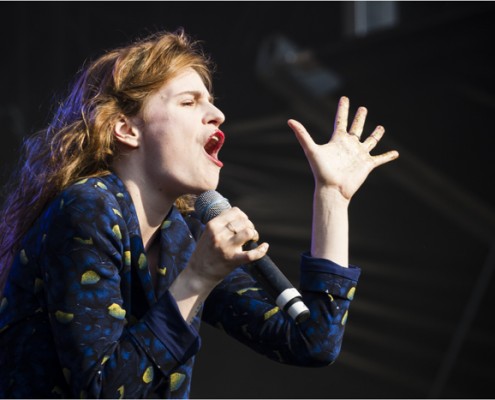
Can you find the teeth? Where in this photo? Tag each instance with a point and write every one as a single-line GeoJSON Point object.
{"type": "Point", "coordinates": [213, 144]}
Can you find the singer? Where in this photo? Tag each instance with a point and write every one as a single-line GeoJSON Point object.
{"type": "Point", "coordinates": [106, 269]}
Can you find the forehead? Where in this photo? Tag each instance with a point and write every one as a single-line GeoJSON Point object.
{"type": "Point", "coordinates": [186, 81]}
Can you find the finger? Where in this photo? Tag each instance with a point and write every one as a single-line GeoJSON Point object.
{"type": "Point", "coordinates": [372, 140]}
{"type": "Point", "coordinates": [255, 236]}
{"type": "Point", "coordinates": [358, 122]}
{"type": "Point", "coordinates": [246, 235]}
{"type": "Point", "coordinates": [342, 115]}
{"type": "Point", "coordinates": [302, 135]}
{"type": "Point", "coordinates": [240, 224]}
{"type": "Point", "coordinates": [385, 157]}
{"type": "Point", "coordinates": [230, 226]}
{"type": "Point", "coordinates": [256, 253]}
{"type": "Point", "coordinates": [231, 214]}
{"type": "Point", "coordinates": [228, 222]}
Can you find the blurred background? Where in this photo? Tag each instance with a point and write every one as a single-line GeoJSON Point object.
{"type": "Point", "coordinates": [422, 228]}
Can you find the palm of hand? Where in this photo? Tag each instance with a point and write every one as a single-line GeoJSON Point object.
{"type": "Point", "coordinates": [344, 162]}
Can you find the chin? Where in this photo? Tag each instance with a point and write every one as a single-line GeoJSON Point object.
{"type": "Point", "coordinates": [204, 187]}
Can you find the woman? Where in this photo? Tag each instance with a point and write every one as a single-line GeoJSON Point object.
{"type": "Point", "coordinates": [107, 272]}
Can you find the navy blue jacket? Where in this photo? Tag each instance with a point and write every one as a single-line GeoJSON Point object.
{"type": "Point", "coordinates": [79, 316]}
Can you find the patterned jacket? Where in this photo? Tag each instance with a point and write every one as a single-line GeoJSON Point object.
{"type": "Point", "coordinates": [80, 318]}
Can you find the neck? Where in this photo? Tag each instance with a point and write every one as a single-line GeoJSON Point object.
{"type": "Point", "coordinates": [152, 205]}
{"type": "Point", "coordinates": [151, 210]}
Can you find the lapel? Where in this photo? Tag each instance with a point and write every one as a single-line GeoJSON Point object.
{"type": "Point", "coordinates": [136, 274]}
{"type": "Point", "coordinates": [176, 247]}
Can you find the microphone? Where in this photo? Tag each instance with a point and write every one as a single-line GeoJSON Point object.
{"type": "Point", "coordinates": [210, 204]}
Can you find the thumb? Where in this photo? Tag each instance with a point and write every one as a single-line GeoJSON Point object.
{"type": "Point", "coordinates": [255, 253]}
{"type": "Point", "coordinates": [302, 135]}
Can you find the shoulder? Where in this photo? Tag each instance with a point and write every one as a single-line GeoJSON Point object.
{"type": "Point", "coordinates": [89, 202]}
{"type": "Point", "coordinates": [91, 193]}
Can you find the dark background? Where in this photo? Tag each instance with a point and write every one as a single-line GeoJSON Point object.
{"type": "Point", "coordinates": [422, 228]}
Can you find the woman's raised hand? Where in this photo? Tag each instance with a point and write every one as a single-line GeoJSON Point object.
{"type": "Point", "coordinates": [345, 161]}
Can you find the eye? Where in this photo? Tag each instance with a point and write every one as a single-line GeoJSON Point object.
{"type": "Point", "coordinates": [188, 102]}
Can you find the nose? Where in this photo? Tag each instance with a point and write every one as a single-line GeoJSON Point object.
{"type": "Point", "coordinates": [214, 116]}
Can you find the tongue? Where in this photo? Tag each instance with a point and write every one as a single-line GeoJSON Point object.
{"type": "Point", "coordinates": [211, 149]}
{"type": "Point", "coordinates": [211, 146]}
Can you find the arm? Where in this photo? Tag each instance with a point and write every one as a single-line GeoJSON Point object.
{"type": "Point", "coordinates": [240, 307]}
{"type": "Point", "coordinates": [339, 168]}
{"type": "Point", "coordinates": [330, 236]}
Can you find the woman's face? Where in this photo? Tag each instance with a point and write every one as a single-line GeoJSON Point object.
{"type": "Point", "coordinates": [181, 137]}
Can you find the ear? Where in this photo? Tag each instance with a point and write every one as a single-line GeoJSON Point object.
{"type": "Point", "coordinates": [127, 132]}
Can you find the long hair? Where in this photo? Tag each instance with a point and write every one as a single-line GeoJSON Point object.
{"type": "Point", "coordinates": [79, 143]}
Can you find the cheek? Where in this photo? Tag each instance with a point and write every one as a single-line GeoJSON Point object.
{"type": "Point", "coordinates": [170, 136]}
{"type": "Point", "coordinates": [167, 150]}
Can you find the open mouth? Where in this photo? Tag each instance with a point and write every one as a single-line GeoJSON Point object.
{"type": "Point", "coordinates": [213, 146]}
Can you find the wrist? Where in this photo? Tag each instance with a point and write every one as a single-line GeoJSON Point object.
{"type": "Point", "coordinates": [332, 195]}
{"type": "Point", "coordinates": [189, 283]}
{"type": "Point", "coordinates": [190, 291]}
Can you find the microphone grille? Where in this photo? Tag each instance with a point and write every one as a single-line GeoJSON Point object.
{"type": "Point", "coordinates": [209, 204]}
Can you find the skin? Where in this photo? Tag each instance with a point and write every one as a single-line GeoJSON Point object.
{"type": "Point", "coordinates": [339, 168]}
{"type": "Point", "coordinates": [163, 158]}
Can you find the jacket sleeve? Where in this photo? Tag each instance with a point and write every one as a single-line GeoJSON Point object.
{"type": "Point", "coordinates": [102, 354]}
{"type": "Point", "coordinates": [243, 309]}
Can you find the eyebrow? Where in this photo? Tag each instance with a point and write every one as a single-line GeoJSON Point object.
{"type": "Point", "coordinates": [195, 93]}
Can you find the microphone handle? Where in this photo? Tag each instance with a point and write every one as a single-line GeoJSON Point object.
{"type": "Point", "coordinates": [278, 286]}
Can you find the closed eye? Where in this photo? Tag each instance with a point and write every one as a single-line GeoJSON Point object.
{"type": "Point", "coordinates": [191, 97]}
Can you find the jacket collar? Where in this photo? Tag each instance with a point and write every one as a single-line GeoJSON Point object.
{"type": "Point", "coordinates": [176, 243]}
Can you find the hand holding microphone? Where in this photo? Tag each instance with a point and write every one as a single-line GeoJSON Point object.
{"type": "Point", "coordinates": [208, 206]}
